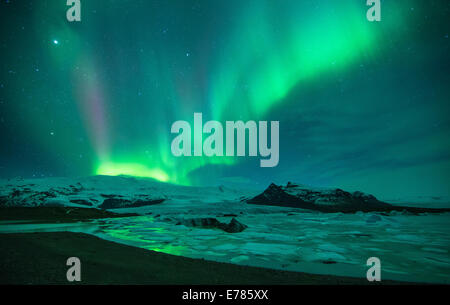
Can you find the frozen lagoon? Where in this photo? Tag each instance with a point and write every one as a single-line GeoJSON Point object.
{"type": "Point", "coordinates": [411, 248]}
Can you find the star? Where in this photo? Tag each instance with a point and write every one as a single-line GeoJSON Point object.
{"type": "Point", "coordinates": [55, 42]}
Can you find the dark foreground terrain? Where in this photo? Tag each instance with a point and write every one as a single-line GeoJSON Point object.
{"type": "Point", "coordinates": [40, 258]}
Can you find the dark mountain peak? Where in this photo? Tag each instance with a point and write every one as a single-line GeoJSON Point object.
{"type": "Point", "coordinates": [329, 200]}
{"type": "Point", "coordinates": [321, 199]}
{"type": "Point", "coordinates": [273, 185]}
{"type": "Point", "coordinates": [290, 184]}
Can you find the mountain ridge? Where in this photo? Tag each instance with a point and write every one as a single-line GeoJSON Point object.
{"type": "Point", "coordinates": [329, 200]}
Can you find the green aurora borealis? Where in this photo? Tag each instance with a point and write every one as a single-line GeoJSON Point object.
{"type": "Point", "coordinates": [361, 105]}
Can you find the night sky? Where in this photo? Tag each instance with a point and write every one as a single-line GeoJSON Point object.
{"type": "Point", "coordinates": [362, 105]}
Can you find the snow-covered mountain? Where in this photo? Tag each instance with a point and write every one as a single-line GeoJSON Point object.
{"type": "Point", "coordinates": [322, 199]}
{"type": "Point", "coordinates": [328, 200]}
{"type": "Point", "coordinates": [107, 192]}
